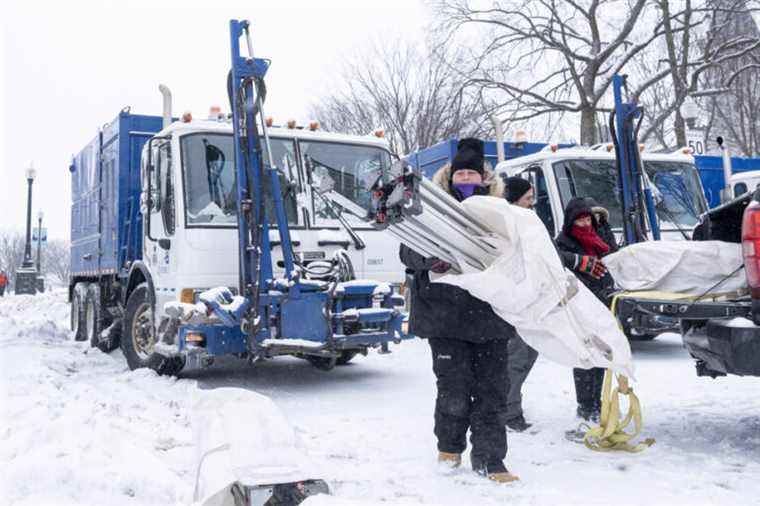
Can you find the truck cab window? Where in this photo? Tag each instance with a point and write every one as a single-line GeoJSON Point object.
{"type": "Point", "coordinates": [590, 178]}
{"type": "Point", "coordinates": [348, 166]}
{"type": "Point", "coordinates": [208, 172]}
{"type": "Point", "coordinates": [740, 189]}
{"type": "Point", "coordinates": [155, 180]}
{"type": "Point", "coordinates": [542, 205]}
{"type": "Point", "coordinates": [167, 194]}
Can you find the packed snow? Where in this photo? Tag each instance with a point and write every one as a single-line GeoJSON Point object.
{"type": "Point", "coordinates": [79, 428]}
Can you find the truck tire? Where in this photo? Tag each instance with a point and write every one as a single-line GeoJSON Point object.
{"type": "Point", "coordinates": [95, 321]}
{"type": "Point", "coordinates": [346, 357]}
{"type": "Point", "coordinates": [77, 312]}
{"type": "Point", "coordinates": [139, 336]}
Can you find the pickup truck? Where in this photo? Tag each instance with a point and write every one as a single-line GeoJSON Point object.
{"type": "Point", "coordinates": [723, 336]}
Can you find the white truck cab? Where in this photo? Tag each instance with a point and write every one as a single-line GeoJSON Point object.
{"type": "Point", "coordinates": [744, 182]}
{"type": "Point", "coordinates": [191, 239]}
{"type": "Point", "coordinates": [561, 174]}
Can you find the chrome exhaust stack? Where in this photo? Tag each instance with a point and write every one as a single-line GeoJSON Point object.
{"type": "Point", "coordinates": [167, 107]}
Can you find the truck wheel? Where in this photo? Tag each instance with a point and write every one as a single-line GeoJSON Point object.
{"type": "Point", "coordinates": [628, 331]}
{"type": "Point", "coordinates": [346, 357]}
{"type": "Point", "coordinates": [139, 336]}
{"type": "Point", "coordinates": [77, 313]}
{"type": "Point", "coordinates": [321, 363]}
{"type": "Point", "coordinates": [95, 321]}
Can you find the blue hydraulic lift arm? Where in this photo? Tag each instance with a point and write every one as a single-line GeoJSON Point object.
{"type": "Point", "coordinates": [247, 92]}
{"type": "Point", "coordinates": [637, 198]}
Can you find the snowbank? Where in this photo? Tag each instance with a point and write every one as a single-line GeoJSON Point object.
{"type": "Point", "coordinates": [78, 428]}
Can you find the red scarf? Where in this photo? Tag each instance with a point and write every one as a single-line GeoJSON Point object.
{"type": "Point", "coordinates": [591, 243]}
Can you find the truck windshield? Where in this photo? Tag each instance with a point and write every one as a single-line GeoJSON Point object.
{"type": "Point", "coordinates": [677, 185]}
{"type": "Point", "coordinates": [208, 166]}
{"type": "Point", "coordinates": [351, 168]}
{"type": "Point", "coordinates": [679, 188]}
{"type": "Point", "coordinates": [590, 178]}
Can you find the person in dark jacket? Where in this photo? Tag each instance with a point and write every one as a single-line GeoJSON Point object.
{"type": "Point", "coordinates": [522, 357]}
{"type": "Point", "coordinates": [3, 282]}
{"type": "Point", "coordinates": [467, 339]}
{"type": "Point", "coordinates": [581, 236]}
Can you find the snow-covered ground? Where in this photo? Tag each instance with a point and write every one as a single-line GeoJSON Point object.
{"type": "Point", "coordinates": [79, 428]}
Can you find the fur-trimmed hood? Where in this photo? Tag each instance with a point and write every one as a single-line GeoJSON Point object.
{"type": "Point", "coordinates": [495, 185]}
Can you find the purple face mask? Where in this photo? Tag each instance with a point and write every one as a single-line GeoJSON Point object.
{"type": "Point", "coordinates": [466, 189]}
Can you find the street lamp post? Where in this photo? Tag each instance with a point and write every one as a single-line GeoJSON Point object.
{"type": "Point", "coordinates": [39, 239]}
{"type": "Point", "coordinates": [26, 275]}
{"type": "Point", "coordinates": [40, 279]}
{"type": "Point", "coordinates": [689, 111]}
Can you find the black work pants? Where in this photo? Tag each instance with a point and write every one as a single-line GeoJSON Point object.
{"type": "Point", "coordinates": [471, 380]}
{"type": "Point", "coordinates": [588, 387]}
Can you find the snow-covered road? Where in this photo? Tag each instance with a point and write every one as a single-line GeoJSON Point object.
{"type": "Point", "coordinates": [79, 428]}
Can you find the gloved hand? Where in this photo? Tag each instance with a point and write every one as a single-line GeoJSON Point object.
{"type": "Point", "coordinates": [591, 266]}
{"type": "Point", "coordinates": [440, 267]}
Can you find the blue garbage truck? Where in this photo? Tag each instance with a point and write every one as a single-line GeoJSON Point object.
{"type": "Point", "coordinates": [154, 224]}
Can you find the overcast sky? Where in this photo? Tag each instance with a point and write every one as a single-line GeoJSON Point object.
{"type": "Point", "coordinates": [69, 66]}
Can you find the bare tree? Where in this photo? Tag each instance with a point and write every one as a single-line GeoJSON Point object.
{"type": "Point", "coordinates": [412, 92]}
{"type": "Point", "coordinates": [549, 56]}
{"type": "Point", "coordinates": [56, 260]}
{"type": "Point", "coordinates": [734, 112]}
{"type": "Point", "coordinates": [11, 254]}
{"type": "Point", "coordinates": [56, 257]}
{"type": "Point", "coordinates": [544, 57]}
{"type": "Point", "coordinates": [699, 40]}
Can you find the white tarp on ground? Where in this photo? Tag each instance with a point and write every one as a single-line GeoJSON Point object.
{"type": "Point", "coordinates": [527, 286]}
{"type": "Point", "coordinates": [242, 437]}
{"type": "Point", "coordinates": [692, 267]}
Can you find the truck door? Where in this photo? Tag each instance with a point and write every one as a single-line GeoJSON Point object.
{"type": "Point", "coordinates": [543, 200]}
{"type": "Point", "coordinates": [160, 256]}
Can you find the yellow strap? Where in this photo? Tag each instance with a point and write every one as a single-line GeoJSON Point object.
{"type": "Point", "coordinates": [611, 435]}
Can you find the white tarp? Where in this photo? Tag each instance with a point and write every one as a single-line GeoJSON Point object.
{"type": "Point", "coordinates": [528, 286]}
{"type": "Point", "coordinates": [242, 437]}
{"type": "Point", "coordinates": [692, 267]}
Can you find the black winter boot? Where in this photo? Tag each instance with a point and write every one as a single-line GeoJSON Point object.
{"type": "Point", "coordinates": [588, 412]}
{"type": "Point", "coordinates": [518, 424]}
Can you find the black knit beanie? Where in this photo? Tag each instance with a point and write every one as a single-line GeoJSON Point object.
{"type": "Point", "coordinates": [470, 155]}
{"type": "Point", "coordinates": [516, 188]}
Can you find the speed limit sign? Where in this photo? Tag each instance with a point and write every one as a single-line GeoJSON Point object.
{"type": "Point", "coordinates": [695, 139]}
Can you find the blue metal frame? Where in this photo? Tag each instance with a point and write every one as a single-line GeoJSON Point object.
{"type": "Point", "coordinates": [634, 195]}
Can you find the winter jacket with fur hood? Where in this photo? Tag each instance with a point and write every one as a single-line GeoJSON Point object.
{"type": "Point", "coordinates": [441, 310]}
{"type": "Point", "coordinates": [603, 287]}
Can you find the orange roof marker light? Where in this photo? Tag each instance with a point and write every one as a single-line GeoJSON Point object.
{"type": "Point", "coordinates": [187, 117]}
{"type": "Point", "coordinates": [215, 113]}
{"type": "Point", "coordinates": [313, 125]}
{"type": "Point", "coordinates": [554, 148]}
{"type": "Point", "coordinates": [379, 133]}
{"type": "Point", "coordinates": [291, 123]}
{"type": "Point", "coordinates": [610, 147]}
{"type": "Point", "coordinates": [641, 148]}
{"type": "Point", "coordinates": [269, 121]}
